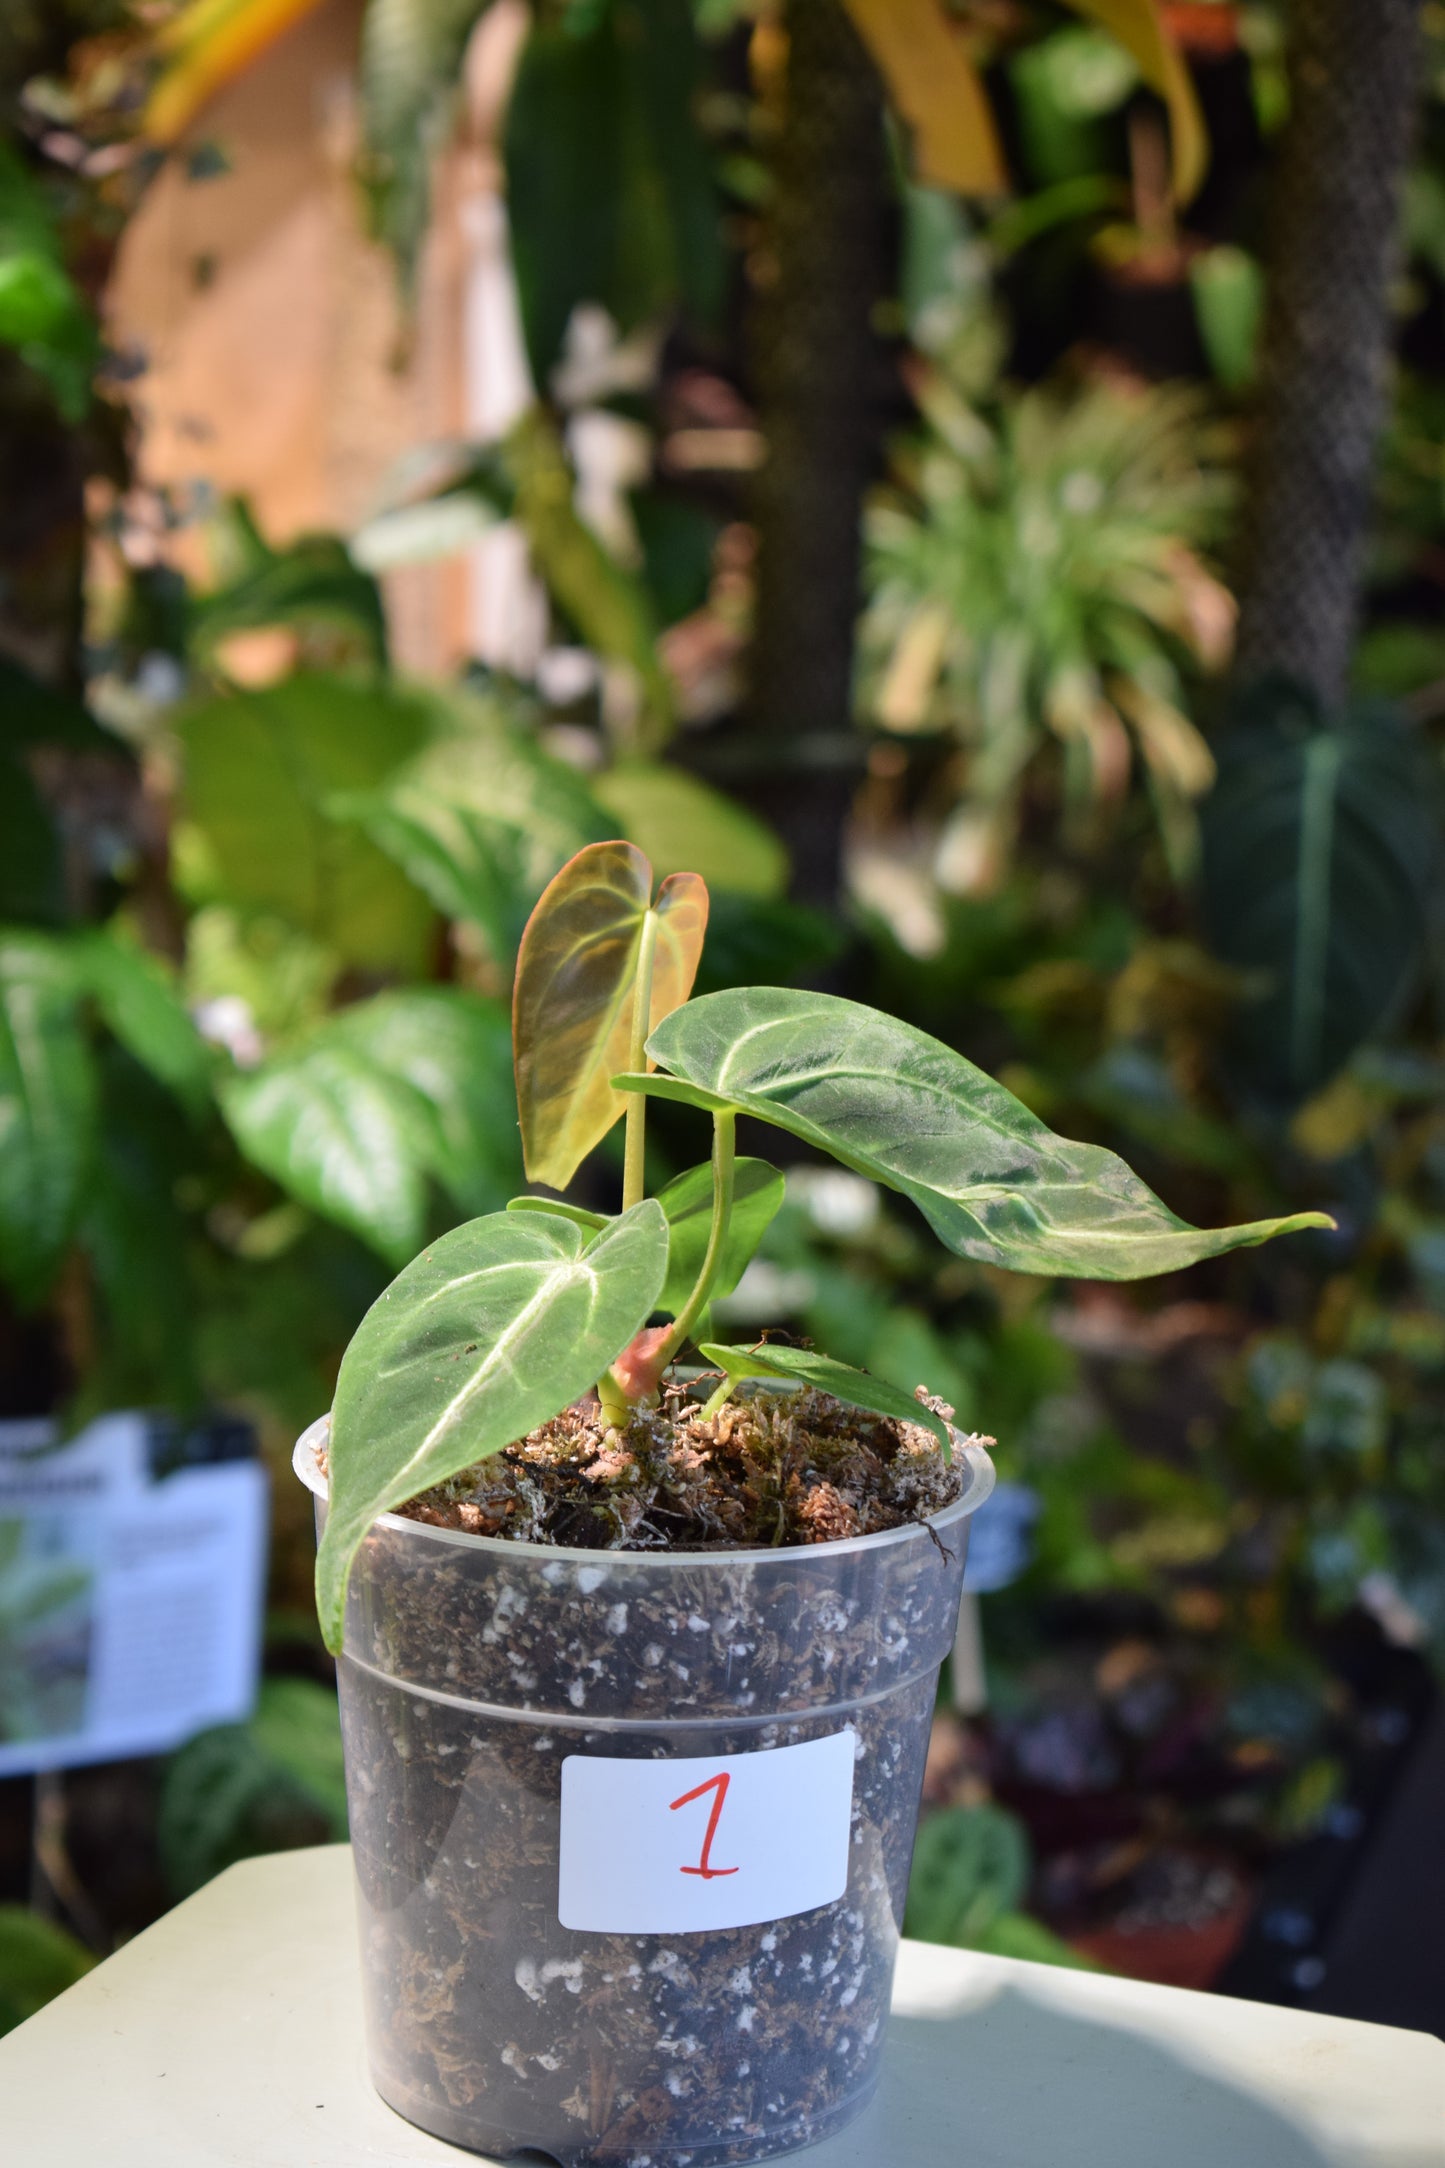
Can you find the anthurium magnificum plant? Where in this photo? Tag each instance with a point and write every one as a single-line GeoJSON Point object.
{"type": "Point", "coordinates": [504, 1322]}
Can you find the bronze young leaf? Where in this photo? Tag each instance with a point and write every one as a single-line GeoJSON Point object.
{"type": "Point", "coordinates": [592, 934]}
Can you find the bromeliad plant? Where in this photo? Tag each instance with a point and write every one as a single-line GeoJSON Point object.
{"type": "Point", "coordinates": [506, 1321]}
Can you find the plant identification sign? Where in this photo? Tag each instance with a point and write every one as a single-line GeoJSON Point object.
{"type": "Point", "coordinates": [682, 1846]}
{"type": "Point", "coordinates": [132, 1569]}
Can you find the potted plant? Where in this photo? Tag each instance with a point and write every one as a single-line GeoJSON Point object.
{"type": "Point", "coordinates": [636, 1673]}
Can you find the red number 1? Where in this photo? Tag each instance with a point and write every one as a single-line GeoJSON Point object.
{"type": "Point", "coordinates": [718, 1784]}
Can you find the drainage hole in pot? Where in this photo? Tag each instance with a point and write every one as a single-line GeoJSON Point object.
{"type": "Point", "coordinates": [532, 2156]}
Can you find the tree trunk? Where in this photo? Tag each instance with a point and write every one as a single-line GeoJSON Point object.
{"type": "Point", "coordinates": [1354, 75]}
{"type": "Point", "coordinates": [815, 360]}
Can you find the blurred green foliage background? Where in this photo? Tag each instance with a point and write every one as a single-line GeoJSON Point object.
{"type": "Point", "coordinates": [974, 750]}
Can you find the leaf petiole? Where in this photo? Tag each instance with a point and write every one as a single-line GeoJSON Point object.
{"type": "Point", "coordinates": [634, 1177]}
{"type": "Point", "coordinates": [724, 1155]}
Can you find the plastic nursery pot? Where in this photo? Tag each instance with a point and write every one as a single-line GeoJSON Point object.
{"type": "Point", "coordinates": [632, 1829]}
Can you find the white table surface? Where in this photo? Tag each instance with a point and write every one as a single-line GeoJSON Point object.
{"type": "Point", "coordinates": [229, 2036]}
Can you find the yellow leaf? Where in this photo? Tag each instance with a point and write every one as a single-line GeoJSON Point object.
{"type": "Point", "coordinates": [1139, 28]}
{"type": "Point", "coordinates": [576, 990]}
{"type": "Point", "coordinates": [937, 90]}
{"type": "Point", "coordinates": [212, 42]}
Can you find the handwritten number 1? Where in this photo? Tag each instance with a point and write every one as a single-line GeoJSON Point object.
{"type": "Point", "coordinates": [718, 1784]}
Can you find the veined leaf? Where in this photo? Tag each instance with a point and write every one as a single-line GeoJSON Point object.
{"type": "Point", "coordinates": [454, 1050]}
{"type": "Point", "coordinates": [991, 1180]}
{"type": "Point", "coordinates": [340, 1136]}
{"type": "Point", "coordinates": [145, 1011]}
{"type": "Point", "coordinates": [687, 1205]}
{"type": "Point", "coordinates": [47, 1110]}
{"type": "Point", "coordinates": [855, 1388]}
{"type": "Point", "coordinates": [496, 1327]}
{"type": "Point", "coordinates": [576, 993]}
{"type": "Point", "coordinates": [1322, 861]}
{"type": "Point", "coordinates": [687, 1202]}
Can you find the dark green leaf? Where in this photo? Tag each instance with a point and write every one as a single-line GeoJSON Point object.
{"type": "Point", "coordinates": [1322, 861]}
{"type": "Point", "coordinates": [312, 585]}
{"type": "Point", "coordinates": [37, 1962]}
{"type": "Point", "coordinates": [608, 186]}
{"type": "Point", "coordinates": [855, 1388]}
{"type": "Point", "coordinates": [47, 1110]}
{"type": "Point", "coordinates": [340, 1136]}
{"type": "Point", "coordinates": [32, 884]}
{"type": "Point", "coordinates": [493, 1329]}
{"type": "Point", "coordinates": [687, 1201]}
{"type": "Point", "coordinates": [992, 1181]}
{"type": "Point", "coordinates": [144, 1009]}
{"type": "Point", "coordinates": [240, 1790]}
{"type": "Point", "coordinates": [970, 1864]}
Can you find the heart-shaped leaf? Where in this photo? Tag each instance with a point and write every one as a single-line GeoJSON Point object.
{"type": "Point", "coordinates": [572, 1009]}
{"type": "Point", "coordinates": [47, 1110]}
{"type": "Point", "coordinates": [493, 1329]}
{"type": "Point", "coordinates": [687, 1201]}
{"type": "Point", "coordinates": [335, 1131]}
{"type": "Point", "coordinates": [855, 1388]}
{"type": "Point", "coordinates": [991, 1180]}
{"type": "Point", "coordinates": [144, 1009]}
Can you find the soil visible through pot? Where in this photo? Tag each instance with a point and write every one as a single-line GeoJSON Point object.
{"type": "Point", "coordinates": [490, 2023]}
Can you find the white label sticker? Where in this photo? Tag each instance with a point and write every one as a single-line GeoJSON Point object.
{"type": "Point", "coordinates": [678, 1847]}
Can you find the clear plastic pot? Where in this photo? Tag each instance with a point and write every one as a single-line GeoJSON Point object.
{"type": "Point", "coordinates": [473, 1670]}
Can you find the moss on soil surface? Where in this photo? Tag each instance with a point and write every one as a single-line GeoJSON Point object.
{"type": "Point", "coordinates": [768, 1469]}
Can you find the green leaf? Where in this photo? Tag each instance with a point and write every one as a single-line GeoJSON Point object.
{"type": "Point", "coordinates": [855, 1388]}
{"type": "Point", "coordinates": [608, 185]}
{"type": "Point", "coordinates": [37, 1963]}
{"type": "Point", "coordinates": [240, 1790]}
{"type": "Point", "coordinates": [605, 602]}
{"type": "Point", "coordinates": [481, 819]}
{"type": "Point", "coordinates": [259, 770]}
{"type": "Point", "coordinates": [144, 1009]}
{"type": "Point", "coordinates": [560, 1209]}
{"type": "Point", "coordinates": [1322, 862]}
{"type": "Point", "coordinates": [687, 1202]}
{"type": "Point", "coordinates": [493, 1329]}
{"type": "Point", "coordinates": [454, 1050]}
{"type": "Point", "coordinates": [970, 1864]}
{"type": "Point", "coordinates": [47, 1110]}
{"type": "Point", "coordinates": [680, 821]}
{"type": "Point", "coordinates": [340, 1136]}
{"type": "Point", "coordinates": [991, 1180]}
{"type": "Point", "coordinates": [32, 878]}
{"type": "Point", "coordinates": [687, 1205]}
{"type": "Point", "coordinates": [312, 585]}
{"type": "Point", "coordinates": [576, 991]}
